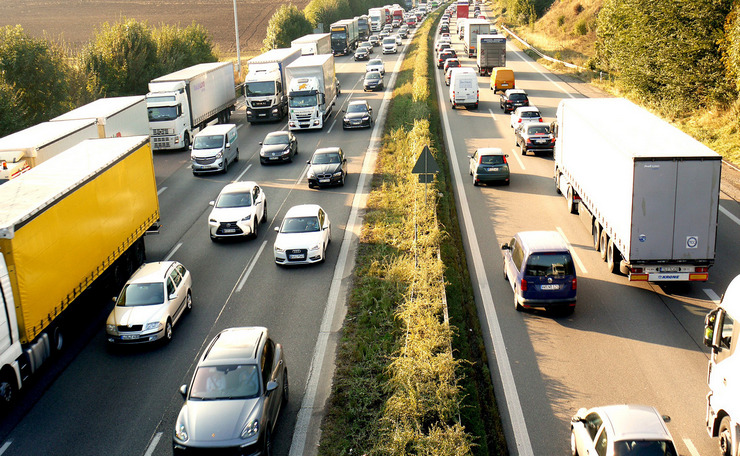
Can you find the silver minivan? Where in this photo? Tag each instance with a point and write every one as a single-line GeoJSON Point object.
{"type": "Point", "coordinates": [214, 148]}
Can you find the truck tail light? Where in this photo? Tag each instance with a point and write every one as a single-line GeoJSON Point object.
{"type": "Point", "coordinates": [702, 269]}
{"type": "Point", "coordinates": [523, 285]}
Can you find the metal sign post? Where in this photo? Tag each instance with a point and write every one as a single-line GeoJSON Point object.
{"type": "Point", "coordinates": [426, 167]}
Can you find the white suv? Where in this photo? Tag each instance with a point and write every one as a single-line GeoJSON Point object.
{"type": "Point", "coordinates": [238, 211]}
{"type": "Point", "coordinates": [389, 45]}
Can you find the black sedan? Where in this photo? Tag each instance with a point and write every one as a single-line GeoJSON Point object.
{"type": "Point", "coordinates": [359, 114]}
{"type": "Point", "coordinates": [512, 99]}
{"type": "Point", "coordinates": [535, 137]}
{"type": "Point", "coordinates": [444, 28]}
{"type": "Point", "coordinates": [278, 146]}
{"type": "Point", "coordinates": [327, 167]}
{"type": "Point", "coordinates": [373, 81]}
{"type": "Point", "coordinates": [362, 53]}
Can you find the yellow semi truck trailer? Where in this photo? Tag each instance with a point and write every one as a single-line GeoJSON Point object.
{"type": "Point", "coordinates": [74, 220]}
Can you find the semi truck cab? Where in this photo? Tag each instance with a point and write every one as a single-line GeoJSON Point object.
{"type": "Point", "coordinates": [265, 96]}
{"type": "Point", "coordinates": [307, 104]}
{"type": "Point", "coordinates": [169, 115]}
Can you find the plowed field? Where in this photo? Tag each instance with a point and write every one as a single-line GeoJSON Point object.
{"type": "Point", "coordinates": [75, 21]}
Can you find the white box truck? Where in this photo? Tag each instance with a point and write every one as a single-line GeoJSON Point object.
{"type": "Point", "coordinates": [115, 116]}
{"type": "Point", "coordinates": [491, 53]}
{"type": "Point", "coordinates": [265, 87]}
{"type": "Point", "coordinates": [27, 148]}
{"type": "Point", "coordinates": [183, 102]}
{"type": "Point", "coordinates": [722, 335]}
{"type": "Point", "coordinates": [312, 91]}
{"type": "Point", "coordinates": [648, 191]}
{"type": "Point", "coordinates": [377, 19]}
{"type": "Point", "coordinates": [313, 44]}
{"type": "Point", "coordinates": [473, 28]}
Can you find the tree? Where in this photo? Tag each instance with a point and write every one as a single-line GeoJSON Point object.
{"type": "Point", "coordinates": [12, 114]}
{"type": "Point", "coordinates": [35, 72]}
{"type": "Point", "coordinates": [179, 48]}
{"type": "Point", "coordinates": [287, 24]}
{"type": "Point", "coordinates": [121, 59]}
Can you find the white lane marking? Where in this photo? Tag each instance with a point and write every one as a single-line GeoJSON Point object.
{"type": "Point", "coordinates": [354, 223]}
{"type": "Point", "coordinates": [572, 251]}
{"type": "Point", "coordinates": [153, 445]}
{"type": "Point", "coordinates": [712, 295]}
{"type": "Point", "coordinates": [243, 281]}
{"type": "Point", "coordinates": [5, 446]}
{"type": "Point", "coordinates": [159, 192]}
{"type": "Point", "coordinates": [516, 415]}
{"type": "Point", "coordinates": [729, 214]}
{"type": "Point", "coordinates": [172, 252]}
{"type": "Point", "coordinates": [515, 153]}
{"type": "Point", "coordinates": [529, 61]}
{"type": "Point", "coordinates": [243, 173]}
{"type": "Point", "coordinates": [691, 447]}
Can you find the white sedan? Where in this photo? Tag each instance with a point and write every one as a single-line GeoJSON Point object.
{"type": "Point", "coordinates": [525, 114]}
{"type": "Point", "coordinates": [375, 65]}
{"type": "Point", "coordinates": [238, 211]}
{"type": "Point", "coordinates": [303, 236]}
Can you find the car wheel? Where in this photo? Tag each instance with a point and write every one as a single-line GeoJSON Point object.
{"type": "Point", "coordinates": [517, 306]}
{"type": "Point", "coordinates": [268, 443]}
{"type": "Point", "coordinates": [341, 181]}
{"type": "Point", "coordinates": [213, 239]}
{"type": "Point", "coordinates": [236, 159]}
{"type": "Point", "coordinates": [255, 228]}
{"type": "Point", "coordinates": [264, 212]}
{"type": "Point", "coordinates": [475, 182]}
{"type": "Point", "coordinates": [725, 437]}
{"type": "Point", "coordinates": [226, 165]}
{"type": "Point", "coordinates": [168, 331]}
{"type": "Point", "coordinates": [573, 447]}
{"type": "Point", "coordinates": [506, 276]}
{"type": "Point", "coordinates": [189, 301]}
{"type": "Point", "coordinates": [286, 392]}
{"type": "Point", "coordinates": [524, 149]}
{"type": "Point", "coordinates": [8, 390]}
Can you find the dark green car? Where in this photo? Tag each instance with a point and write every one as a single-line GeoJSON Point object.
{"type": "Point", "coordinates": [489, 165]}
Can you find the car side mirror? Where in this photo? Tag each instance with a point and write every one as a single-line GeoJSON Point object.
{"type": "Point", "coordinates": [211, 203]}
{"type": "Point", "coordinates": [308, 162]}
{"type": "Point", "coordinates": [277, 229]}
{"type": "Point", "coordinates": [228, 145]}
{"type": "Point", "coordinates": [172, 297]}
{"type": "Point", "coordinates": [344, 160]}
{"type": "Point", "coordinates": [344, 110]}
{"type": "Point", "coordinates": [506, 155]}
{"type": "Point", "coordinates": [184, 391]}
{"type": "Point", "coordinates": [272, 385]}
{"type": "Point", "coordinates": [260, 143]}
{"type": "Point", "coordinates": [505, 246]}
{"type": "Point", "coordinates": [190, 147]}
{"type": "Point", "coordinates": [113, 299]}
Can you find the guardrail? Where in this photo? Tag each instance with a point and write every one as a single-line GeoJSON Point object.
{"type": "Point", "coordinates": [536, 51]}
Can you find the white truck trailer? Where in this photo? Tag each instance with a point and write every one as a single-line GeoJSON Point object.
{"type": "Point", "coordinates": [27, 148]}
{"type": "Point", "coordinates": [722, 335]}
{"type": "Point", "coordinates": [312, 91]}
{"type": "Point", "coordinates": [313, 44]}
{"type": "Point", "coordinates": [115, 116]}
{"type": "Point", "coordinates": [377, 19]}
{"type": "Point", "coordinates": [648, 191]}
{"type": "Point", "coordinates": [183, 102]}
{"type": "Point", "coordinates": [491, 53]}
{"type": "Point", "coordinates": [265, 86]}
{"type": "Point", "coordinates": [473, 28]}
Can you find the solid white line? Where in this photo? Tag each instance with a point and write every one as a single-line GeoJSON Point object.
{"type": "Point", "coordinates": [172, 252]}
{"type": "Point", "coordinates": [243, 173]}
{"type": "Point", "coordinates": [572, 251]}
{"type": "Point", "coordinates": [153, 445]}
{"type": "Point", "coordinates": [243, 281]}
{"type": "Point", "coordinates": [5, 446]}
{"type": "Point", "coordinates": [303, 420]}
{"type": "Point", "coordinates": [159, 192]}
{"type": "Point", "coordinates": [691, 447]}
{"type": "Point", "coordinates": [515, 154]}
{"type": "Point", "coordinates": [516, 415]}
{"type": "Point", "coordinates": [527, 59]}
{"type": "Point", "coordinates": [729, 214]}
{"type": "Point", "coordinates": [712, 295]}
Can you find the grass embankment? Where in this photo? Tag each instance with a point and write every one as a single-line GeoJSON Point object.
{"type": "Point", "coordinates": [406, 382]}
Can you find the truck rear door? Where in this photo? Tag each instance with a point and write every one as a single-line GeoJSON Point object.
{"type": "Point", "coordinates": [653, 209]}
{"type": "Point", "coordinates": [696, 209]}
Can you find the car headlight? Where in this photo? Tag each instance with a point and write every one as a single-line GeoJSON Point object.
{"type": "Point", "coordinates": [279, 250]}
{"type": "Point", "coordinates": [152, 325]}
{"type": "Point", "coordinates": [251, 429]}
{"type": "Point", "coordinates": [192, 157]}
{"type": "Point", "coordinates": [111, 329]}
{"type": "Point", "coordinates": [219, 155]}
{"type": "Point", "coordinates": [366, 118]}
{"type": "Point", "coordinates": [310, 174]}
{"type": "Point", "coordinates": [286, 150]}
{"type": "Point", "coordinates": [247, 218]}
{"type": "Point", "coordinates": [337, 174]}
{"type": "Point", "coordinates": [315, 247]}
{"type": "Point", "coordinates": [181, 433]}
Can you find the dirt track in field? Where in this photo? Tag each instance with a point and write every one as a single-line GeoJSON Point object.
{"type": "Point", "coordinates": [75, 21]}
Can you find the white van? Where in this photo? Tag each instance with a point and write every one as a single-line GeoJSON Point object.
{"type": "Point", "coordinates": [464, 88]}
{"type": "Point", "coordinates": [214, 148]}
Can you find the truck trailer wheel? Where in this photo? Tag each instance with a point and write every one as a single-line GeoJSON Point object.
{"type": "Point", "coordinates": [603, 243]}
{"type": "Point", "coordinates": [8, 389]}
{"type": "Point", "coordinates": [613, 257]}
{"type": "Point", "coordinates": [596, 234]}
{"type": "Point", "coordinates": [572, 205]}
{"type": "Point", "coordinates": [725, 437]}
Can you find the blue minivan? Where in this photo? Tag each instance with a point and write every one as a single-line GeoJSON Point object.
{"type": "Point", "coordinates": [540, 269]}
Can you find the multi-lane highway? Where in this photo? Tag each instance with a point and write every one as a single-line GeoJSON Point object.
{"type": "Point", "coordinates": [125, 401]}
{"type": "Point", "coordinates": [625, 342]}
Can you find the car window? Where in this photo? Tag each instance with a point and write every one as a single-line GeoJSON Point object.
{"type": "Point", "coordinates": [170, 287]}
{"type": "Point", "coordinates": [225, 382]}
{"type": "Point", "coordinates": [268, 353]}
{"type": "Point", "coordinates": [300, 224]}
{"type": "Point", "coordinates": [236, 199]}
{"type": "Point", "coordinates": [602, 442]}
{"type": "Point", "coordinates": [357, 108]}
{"type": "Point", "coordinates": [255, 193]}
{"type": "Point", "coordinates": [492, 160]}
{"type": "Point", "coordinates": [175, 276]}
{"type": "Point", "coordinates": [530, 114]}
{"type": "Point", "coordinates": [727, 337]}
{"type": "Point", "coordinates": [141, 294]}
{"type": "Point", "coordinates": [549, 264]}
{"type": "Point", "coordinates": [593, 423]}
{"type": "Point", "coordinates": [322, 218]}
{"type": "Point", "coordinates": [644, 448]}
{"type": "Point", "coordinates": [271, 140]}
{"type": "Point", "coordinates": [517, 255]}
{"type": "Point", "coordinates": [517, 97]}
{"type": "Point", "coordinates": [323, 159]}
{"type": "Point", "coordinates": [539, 130]}
{"type": "Point", "coordinates": [181, 269]}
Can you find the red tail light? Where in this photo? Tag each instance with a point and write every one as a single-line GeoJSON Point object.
{"type": "Point", "coordinates": [519, 121]}
{"type": "Point", "coordinates": [541, 119]}
{"type": "Point", "coordinates": [702, 269]}
{"type": "Point", "coordinates": [505, 161]}
{"type": "Point", "coordinates": [529, 141]}
{"type": "Point", "coordinates": [636, 270]}
{"type": "Point", "coordinates": [523, 286]}
{"type": "Point", "coordinates": [574, 284]}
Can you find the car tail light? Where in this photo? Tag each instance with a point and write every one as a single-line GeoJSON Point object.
{"type": "Point", "coordinates": [505, 161]}
{"type": "Point", "coordinates": [541, 119]}
{"type": "Point", "coordinates": [552, 140]}
{"type": "Point", "coordinates": [574, 284]}
{"type": "Point", "coordinates": [523, 286]}
{"type": "Point", "coordinates": [480, 160]}
{"type": "Point", "coordinates": [519, 121]}
{"type": "Point", "coordinates": [477, 95]}
{"type": "Point", "coordinates": [453, 94]}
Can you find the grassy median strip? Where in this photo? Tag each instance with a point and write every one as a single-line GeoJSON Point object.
{"type": "Point", "coordinates": [406, 382]}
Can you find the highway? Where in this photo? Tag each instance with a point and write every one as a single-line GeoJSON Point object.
{"type": "Point", "coordinates": [625, 342]}
{"type": "Point", "coordinates": [125, 400]}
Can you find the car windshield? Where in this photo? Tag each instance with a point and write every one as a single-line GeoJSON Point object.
{"type": "Point", "coordinates": [529, 114]}
{"type": "Point", "coordinates": [208, 142]}
{"type": "Point", "coordinates": [375, 62]}
{"type": "Point", "coordinates": [302, 101]}
{"type": "Point", "coordinates": [241, 381]}
{"type": "Point", "coordinates": [161, 113]}
{"type": "Point", "coordinates": [389, 40]}
{"type": "Point", "coordinates": [273, 140]}
{"type": "Point", "coordinates": [357, 108]}
{"type": "Point", "coordinates": [492, 160]}
{"type": "Point", "coordinates": [549, 264]}
{"type": "Point", "coordinates": [259, 89]}
{"type": "Point", "coordinates": [141, 294]}
{"type": "Point", "coordinates": [323, 159]}
{"type": "Point", "coordinates": [372, 75]}
{"type": "Point", "coordinates": [517, 97]}
{"type": "Point", "coordinates": [644, 448]}
{"type": "Point", "coordinates": [300, 225]}
{"type": "Point", "coordinates": [240, 199]}
{"type": "Point", "coordinates": [539, 130]}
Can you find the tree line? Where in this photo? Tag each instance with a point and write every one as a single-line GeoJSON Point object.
{"type": "Point", "coordinates": [40, 79]}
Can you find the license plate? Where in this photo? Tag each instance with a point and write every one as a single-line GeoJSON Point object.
{"type": "Point", "coordinates": [541, 141]}
{"type": "Point", "coordinates": [262, 115]}
{"type": "Point", "coordinates": [274, 158]}
{"type": "Point", "coordinates": [323, 181]}
{"type": "Point", "coordinates": [493, 169]}
{"type": "Point", "coordinates": [230, 230]}
{"type": "Point", "coordinates": [355, 122]}
{"type": "Point", "coordinates": [129, 336]}
{"type": "Point", "coordinates": [504, 84]}
{"type": "Point", "coordinates": [550, 287]}
{"type": "Point", "coordinates": [670, 269]}
{"type": "Point", "coordinates": [296, 257]}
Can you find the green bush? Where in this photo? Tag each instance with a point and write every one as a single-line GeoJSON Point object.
{"type": "Point", "coordinates": [581, 27]}
{"type": "Point", "coordinates": [561, 20]}
{"type": "Point", "coordinates": [12, 112]}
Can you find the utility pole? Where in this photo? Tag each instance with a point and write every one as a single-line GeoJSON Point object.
{"type": "Point", "coordinates": [238, 53]}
